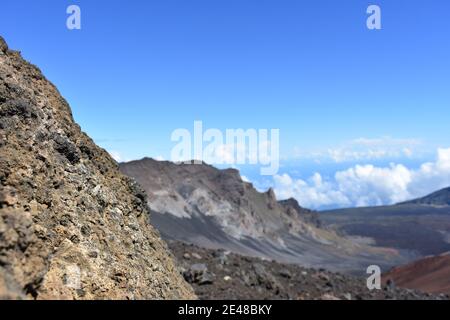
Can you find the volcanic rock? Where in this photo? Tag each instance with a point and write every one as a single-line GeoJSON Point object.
{"type": "Point", "coordinates": [71, 225]}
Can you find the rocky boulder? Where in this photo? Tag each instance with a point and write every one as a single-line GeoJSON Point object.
{"type": "Point", "coordinates": [71, 225]}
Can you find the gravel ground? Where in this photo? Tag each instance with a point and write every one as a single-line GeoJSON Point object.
{"type": "Point", "coordinates": [217, 274]}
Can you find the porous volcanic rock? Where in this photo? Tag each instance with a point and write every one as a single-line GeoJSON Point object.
{"type": "Point", "coordinates": [71, 225]}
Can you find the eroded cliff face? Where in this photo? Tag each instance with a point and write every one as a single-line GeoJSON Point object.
{"type": "Point", "coordinates": [187, 191]}
{"type": "Point", "coordinates": [71, 225]}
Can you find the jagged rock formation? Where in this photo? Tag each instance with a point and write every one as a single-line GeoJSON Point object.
{"type": "Point", "coordinates": [212, 208]}
{"type": "Point", "coordinates": [71, 225]}
{"type": "Point", "coordinates": [294, 210]}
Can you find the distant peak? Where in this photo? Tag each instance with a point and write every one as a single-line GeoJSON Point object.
{"type": "Point", "coordinates": [271, 194]}
{"type": "Point", "coordinates": [438, 198]}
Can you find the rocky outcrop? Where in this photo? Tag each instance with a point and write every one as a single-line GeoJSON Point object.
{"type": "Point", "coordinates": [293, 209]}
{"type": "Point", "coordinates": [71, 225]}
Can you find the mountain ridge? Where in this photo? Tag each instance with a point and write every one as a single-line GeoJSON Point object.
{"type": "Point", "coordinates": [437, 198]}
{"type": "Point", "coordinates": [216, 209]}
{"type": "Point", "coordinates": [421, 225]}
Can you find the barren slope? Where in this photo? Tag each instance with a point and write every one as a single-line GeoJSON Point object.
{"type": "Point", "coordinates": [215, 209]}
{"type": "Point", "coordinates": [431, 274]}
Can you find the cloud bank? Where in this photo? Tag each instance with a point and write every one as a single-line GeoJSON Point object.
{"type": "Point", "coordinates": [366, 149]}
{"type": "Point", "coordinates": [367, 185]}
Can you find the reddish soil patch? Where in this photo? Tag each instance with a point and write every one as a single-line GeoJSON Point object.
{"type": "Point", "coordinates": [431, 274]}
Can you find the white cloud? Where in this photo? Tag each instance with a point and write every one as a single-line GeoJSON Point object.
{"type": "Point", "coordinates": [364, 185]}
{"type": "Point", "coordinates": [385, 141]}
{"type": "Point", "coordinates": [365, 149]}
{"type": "Point", "coordinates": [408, 152]}
{"type": "Point", "coordinates": [373, 149]}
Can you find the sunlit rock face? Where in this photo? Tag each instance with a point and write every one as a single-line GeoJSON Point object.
{"type": "Point", "coordinates": [71, 225]}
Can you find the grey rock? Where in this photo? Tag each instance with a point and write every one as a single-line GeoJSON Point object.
{"type": "Point", "coordinates": [285, 273]}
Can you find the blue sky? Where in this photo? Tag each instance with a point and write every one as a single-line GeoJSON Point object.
{"type": "Point", "coordinates": [137, 70]}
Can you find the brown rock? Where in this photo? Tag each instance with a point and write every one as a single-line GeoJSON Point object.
{"type": "Point", "coordinates": [71, 225]}
{"type": "Point", "coordinates": [8, 196]}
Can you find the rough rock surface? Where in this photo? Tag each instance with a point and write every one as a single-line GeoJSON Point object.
{"type": "Point", "coordinates": [294, 210]}
{"type": "Point", "coordinates": [71, 226]}
{"type": "Point", "coordinates": [218, 274]}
